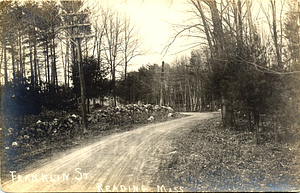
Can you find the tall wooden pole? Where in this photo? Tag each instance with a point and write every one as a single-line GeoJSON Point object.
{"type": "Point", "coordinates": [78, 37]}
{"type": "Point", "coordinates": [82, 85]}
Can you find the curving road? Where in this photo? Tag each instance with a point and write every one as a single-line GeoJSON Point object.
{"type": "Point", "coordinates": [120, 162]}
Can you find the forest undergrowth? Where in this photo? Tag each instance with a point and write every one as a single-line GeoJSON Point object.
{"type": "Point", "coordinates": [210, 157]}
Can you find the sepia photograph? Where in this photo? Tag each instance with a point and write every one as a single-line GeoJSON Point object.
{"type": "Point", "coordinates": [150, 95]}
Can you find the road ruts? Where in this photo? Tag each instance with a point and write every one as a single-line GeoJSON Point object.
{"type": "Point", "coordinates": [120, 162]}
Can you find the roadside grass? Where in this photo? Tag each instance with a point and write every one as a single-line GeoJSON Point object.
{"type": "Point", "coordinates": [209, 157]}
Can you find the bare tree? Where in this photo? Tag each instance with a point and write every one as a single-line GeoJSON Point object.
{"type": "Point", "coordinates": [112, 43]}
{"type": "Point", "coordinates": [131, 46]}
{"type": "Point", "coordinates": [275, 35]}
{"type": "Point", "coordinates": [271, 19]}
{"type": "Point", "coordinates": [292, 34]}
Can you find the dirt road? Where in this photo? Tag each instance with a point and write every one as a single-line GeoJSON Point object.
{"type": "Point", "coordinates": [120, 162]}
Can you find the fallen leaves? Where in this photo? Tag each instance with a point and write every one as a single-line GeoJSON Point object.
{"type": "Point", "coordinates": [210, 158]}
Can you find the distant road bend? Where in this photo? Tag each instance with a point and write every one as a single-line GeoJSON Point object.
{"type": "Point", "coordinates": [120, 162]}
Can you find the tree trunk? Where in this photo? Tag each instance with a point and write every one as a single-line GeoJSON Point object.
{"type": "Point", "coordinates": [88, 105]}
{"type": "Point", "coordinates": [13, 61]}
{"type": "Point", "coordinates": [35, 61]}
{"type": "Point", "coordinates": [275, 35]}
{"type": "Point", "coordinates": [256, 127]}
{"type": "Point", "coordinates": [54, 70]}
{"type": "Point", "coordinates": [2, 53]}
{"type": "Point", "coordinates": [20, 72]}
{"type": "Point", "coordinates": [39, 75]}
{"type": "Point", "coordinates": [31, 66]}
{"type": "Point", "coordinates": [63, 60]}
{"type": "Point", "coordinates": [206, 29]}
{"type": "Point", "coordinates": [162, 85]}
{"type": "Point", "coordinates": [125, 81]}
{"type": "Point", "coordinates": [48, 66]}
{"type": "Point", "coordinates": [86, 49]}
{"type": "Point", "coordinates": [249, 121]}
{"type": "Point", "coordinates": [114, 85]}
{"type": "Point", "coordinates": [5, 64]}
{"type": "Point", "coordinates": [94, 102]}
{"type": "Point", "coordinates": [68, 63]}
{"type": "Point", "coordinates": [99, 52]}
{"type": "Point", "coordinates": [23, 70]}
{"type": "Point", "coordinates": [45, 65]}
{"type": "Point", "coordinates": [225, 116]}
{"type": "Point", "coordinates": [82, 87]}
{"type": "Point", "coordinates": [52, 82]}
{"type": "Point", "coordinates": [218, 34]}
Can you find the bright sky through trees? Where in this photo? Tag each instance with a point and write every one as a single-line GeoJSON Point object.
{"type": "Point", "coordinates": [158, 21]}
{"type": "Point", "coordinates": [155, 20]}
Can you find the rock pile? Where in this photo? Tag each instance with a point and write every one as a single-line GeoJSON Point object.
{"type": "Point", "coordinates": [43, 132]}
{"type": "Point", "coordinates": [132, 112]}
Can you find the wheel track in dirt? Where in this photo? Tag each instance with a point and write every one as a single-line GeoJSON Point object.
{"type": "Point", "coordinates": [129, 159]}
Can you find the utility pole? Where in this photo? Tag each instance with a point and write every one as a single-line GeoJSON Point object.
{"type": "Point", "coordinates": [82, 86]}
{"type": "Point", "coordinates": [162, 85]}
{"type": "Point", "coordinates": [78, 32]}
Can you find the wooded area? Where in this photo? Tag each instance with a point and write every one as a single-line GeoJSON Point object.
{"type": "Point", "coordinates": [58, 55]}
{"type": "Point", "coordinates": [250, 74]}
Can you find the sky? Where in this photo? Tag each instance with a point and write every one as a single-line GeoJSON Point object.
{"type": "Point", "coordinates": [155, 20]}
